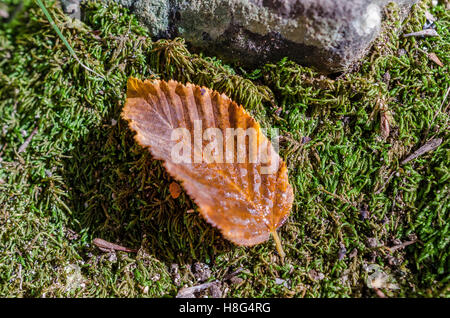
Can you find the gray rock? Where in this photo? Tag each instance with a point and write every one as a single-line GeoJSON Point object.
{"type": "Point", "coordinates": [328, 34]}
{"type": "Point", "coordinates": [71, 8]}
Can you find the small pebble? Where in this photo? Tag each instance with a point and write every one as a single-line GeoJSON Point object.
{"type": "Point", "coordinates": [342, 252]}
{"type": "Point", "coordinates": [175, 274]}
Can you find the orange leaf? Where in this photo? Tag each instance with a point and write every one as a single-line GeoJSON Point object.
{"type": "Point", "coordinates": [432, 56]}
{"type": "Point", "coordinates": [244, 190]}
{"type": "Point", "coordinates": [174, 190]}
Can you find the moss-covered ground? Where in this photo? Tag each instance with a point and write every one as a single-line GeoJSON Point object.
{"type": "Point", "coordinates": [70, 170]}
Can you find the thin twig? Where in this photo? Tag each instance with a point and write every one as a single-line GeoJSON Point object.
{"type": "Point", "coordinates": [24, 146]}
{"type": "Point", "coordinates": [429, 146]}
{"type": "Point", "coordinates": [20, 276]}
{"type": "Point", "coordinates": [188, 292]}
{"type": "Point", "coordinates": [427, 32]}
{"type": "Point", "coordinates": [403, 245]}
{"type": "Point", "coordinates": [233, 274]}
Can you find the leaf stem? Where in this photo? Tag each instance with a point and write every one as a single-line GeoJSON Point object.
{"type": "Point", "coordinates": [278, 245]}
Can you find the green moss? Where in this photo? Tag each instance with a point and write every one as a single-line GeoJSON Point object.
{"type": "Point", "coordinates": [82, 175]}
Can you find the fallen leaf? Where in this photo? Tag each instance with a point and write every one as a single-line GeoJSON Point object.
{"type": "Point", "coordinates": [108, 246]}
{"type": "Point", "coordinates": [245, 192]}
{"type": "Point", "coordinates": [175, 190]}
{"type": "Point", "coordinates": [433, 57]}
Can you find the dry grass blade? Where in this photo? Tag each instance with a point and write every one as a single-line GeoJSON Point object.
{"type": "Point", "coordinates": [426, 32]}
{"type": "Point", "coordinates": [433, 57]}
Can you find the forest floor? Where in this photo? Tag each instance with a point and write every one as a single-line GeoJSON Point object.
{"type": "Point", "coordinates": [365, 222]}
